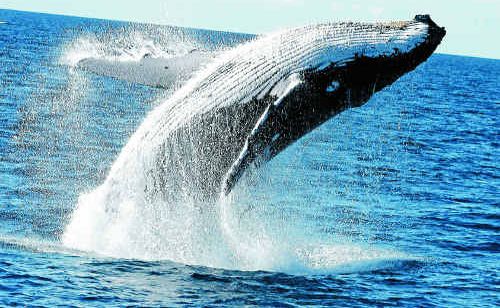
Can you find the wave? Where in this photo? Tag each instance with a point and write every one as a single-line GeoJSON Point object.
{"type": "Point", "coordinates": [36, 245]}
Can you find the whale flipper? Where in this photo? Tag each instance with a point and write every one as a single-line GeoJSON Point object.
{"type": "Point", "coordinates": [155, 72]}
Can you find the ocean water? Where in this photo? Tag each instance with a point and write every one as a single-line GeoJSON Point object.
{"type": "Point", "coordinates": [395, 203]}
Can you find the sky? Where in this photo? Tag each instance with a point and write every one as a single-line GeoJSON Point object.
{"type": "Point", "coordinates": [473, 26]}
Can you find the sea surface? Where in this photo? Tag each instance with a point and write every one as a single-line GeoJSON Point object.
{"type": "Point", "coordinates": [395, 203]}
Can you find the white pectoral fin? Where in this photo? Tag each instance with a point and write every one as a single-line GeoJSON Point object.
{"type": "Point", "coordinates": [155, 72]}
{"type": "Point", "coordinates": [261, 136]}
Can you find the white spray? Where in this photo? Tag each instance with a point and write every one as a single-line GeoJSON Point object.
{"type": "Point", "coordinates": [151, 205]}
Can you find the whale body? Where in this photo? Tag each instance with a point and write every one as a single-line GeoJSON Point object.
{"type": "Point", "coordinates": [254, 100]}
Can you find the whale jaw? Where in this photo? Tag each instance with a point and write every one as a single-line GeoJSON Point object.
{"type": "Point", "coordinates": [317, 94]}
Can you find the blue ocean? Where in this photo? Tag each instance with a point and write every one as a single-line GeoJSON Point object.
{"type": "Point", "coordinates": [395, 203]}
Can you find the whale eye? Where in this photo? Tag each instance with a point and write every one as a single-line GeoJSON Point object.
{"type": "Point", "coordinates": [333, 86]}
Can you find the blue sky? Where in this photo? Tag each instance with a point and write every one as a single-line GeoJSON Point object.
{"type": "Point", "coordinates": [473, 25]}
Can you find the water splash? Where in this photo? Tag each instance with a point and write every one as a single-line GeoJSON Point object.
{"type": "Point", "coordinates": [127, 45]}
{"type": "Point", "coordinates": [149, 206]}
{"type": "Point", "coordinates": [221, 235]}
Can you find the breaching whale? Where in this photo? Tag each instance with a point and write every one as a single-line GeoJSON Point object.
{"type": "Point", "coordinates": [252, 101]}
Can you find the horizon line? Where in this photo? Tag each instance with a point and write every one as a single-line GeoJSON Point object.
{"type": "Point", "coordinates": [193, 28]}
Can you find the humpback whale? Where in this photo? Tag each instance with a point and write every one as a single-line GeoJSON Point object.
{"type": "Point", "coordinates": [252, 101]}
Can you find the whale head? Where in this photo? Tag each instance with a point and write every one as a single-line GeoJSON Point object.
{"type": "Point", "coordinates": [366, 58]}
{"type": "Point", "coordinates": [321, 70]}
